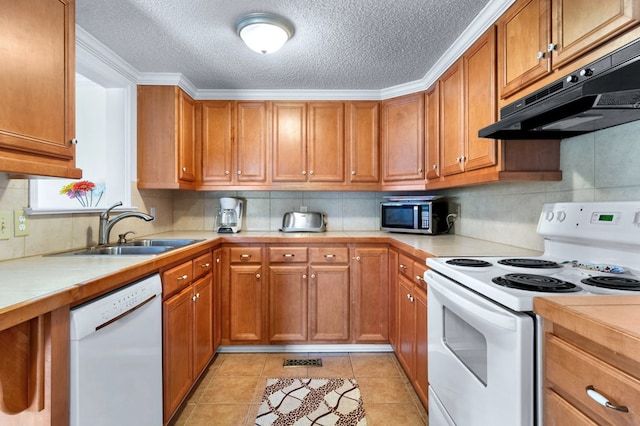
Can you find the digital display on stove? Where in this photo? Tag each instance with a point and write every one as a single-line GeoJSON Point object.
{"type": "Point", "coordinates": [605, 218]}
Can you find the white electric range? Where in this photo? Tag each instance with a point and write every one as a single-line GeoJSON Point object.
{"type": "Point", "coordinates": [485, 341]}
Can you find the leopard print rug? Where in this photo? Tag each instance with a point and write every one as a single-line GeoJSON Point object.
{"type": "Point", "coordinates": [311, 401]}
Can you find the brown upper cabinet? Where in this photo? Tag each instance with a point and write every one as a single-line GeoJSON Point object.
{"type": "Point", "coordinates": [403, 140]}
{"type": "Point", "coordinates": [536, 37]}
{"type": "Point", "coordinates": [37, 129]}
{"type": "Point", "coordinates": [234, 143]}
{"type": "Point", "coordinates": [432, 130]}
{"type": "Point", "coordinates": [308, 142]}
{"type": "Point", "coordinates": [363, 140]}
{"type": "Point", "coordinates": [167, 133]}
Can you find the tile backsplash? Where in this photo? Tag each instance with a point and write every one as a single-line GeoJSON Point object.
{"type": "Point", "coordinates": [597, 166]}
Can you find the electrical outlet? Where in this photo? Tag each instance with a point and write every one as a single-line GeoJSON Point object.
{"type": "Point", "coordinates": [5, 225]}
{"type": "Point", "coordinates": [21, 227]}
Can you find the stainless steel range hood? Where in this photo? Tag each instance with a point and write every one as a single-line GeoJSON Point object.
{"type": "Point", "coordinates": [602, 94]}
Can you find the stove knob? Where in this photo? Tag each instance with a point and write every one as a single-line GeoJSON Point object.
{"type": "Point", "coordinates": [587, 72]}
{"type": "Point", "coordinates": [561, 216]}
{"type": "Point", "coordinates": [572, 78]}
{"type": "Point", "coordinates": [549, 216]}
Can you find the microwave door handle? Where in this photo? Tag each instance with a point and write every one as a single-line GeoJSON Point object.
{"type": "Point", "coordinates": [416, 212]}
{"type": "Point", "coordinates": [478, 309]}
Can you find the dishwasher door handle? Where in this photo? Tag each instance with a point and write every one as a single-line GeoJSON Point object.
{"type": "Point", "coordinates": [125, 313]}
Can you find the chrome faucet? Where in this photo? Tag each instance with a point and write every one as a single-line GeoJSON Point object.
{"type": "Point", "coordinates": [106, 224]}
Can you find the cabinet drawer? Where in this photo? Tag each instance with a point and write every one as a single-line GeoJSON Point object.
{"type": "Point", "coordinates": [177, 278]}
{"type": "Point", "coordinates": [202, 265]}
{"type": "Point", "coordinates": [418, 274]}
{"type": "Point", "coordinates": [288, 254]}
{"type": "Point", "coordinates": [245, 254]}
{"type": "Point", "coordinates": [329, 254]}
{"type": "Point", "coordinates": [570, 370]}
{"type": "Point", "coordinates": [405, 266]}
{"type": "Point", "coordinates": [558, 412]}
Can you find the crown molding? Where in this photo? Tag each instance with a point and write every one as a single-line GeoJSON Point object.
{"type": "Point", "coordinates": [97, 54]}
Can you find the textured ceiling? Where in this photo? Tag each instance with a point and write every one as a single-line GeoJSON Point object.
{"type": "Point", "coordinates": [337, 45]}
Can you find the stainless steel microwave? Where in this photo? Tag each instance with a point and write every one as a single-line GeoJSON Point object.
{"type": "Point", "coordinates": [415, 217]}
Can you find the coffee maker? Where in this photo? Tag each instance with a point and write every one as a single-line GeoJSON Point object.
{"type": "Point", "coordinates": [229, 217]}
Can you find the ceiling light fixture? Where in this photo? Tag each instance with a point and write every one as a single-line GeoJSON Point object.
{"type": "Point", "coordinates": [264, 32]}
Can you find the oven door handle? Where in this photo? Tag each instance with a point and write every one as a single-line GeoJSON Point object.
{"type": "Point", "coordinates": [476, 307]}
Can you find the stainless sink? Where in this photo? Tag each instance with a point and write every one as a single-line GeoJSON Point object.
{"type": "Point", "coordinates": [148, 246]}
{"type": "Point", "coordinates": [161, 242]}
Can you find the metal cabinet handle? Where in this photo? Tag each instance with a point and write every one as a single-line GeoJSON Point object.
{"type": "Point", "coordinates": [329, 256]}
{"type": "Point", "coordinates": [289, 255]}
{"type": "Point", "coordinates": [245, 256]}
{"type": "Point", "coordinates": [205, 265]}
{"type": "Point", "coordinates": [403, 266]}
{"type": "Point", "coordinates": [184, 277]}
{"type": "Point", "coordinates": [602, 400]}
{"type": "Point", "coordinates": [419, 278]}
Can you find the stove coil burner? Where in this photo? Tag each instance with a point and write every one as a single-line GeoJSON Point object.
{"type": "Point", "coordinates": [531, 282]}
{"type": "Point", "coordinates": [471, 263]}
{"type": "Point", "coordinates": [529, 263]}
{"type": "Point", "coordinates": [615, 283]}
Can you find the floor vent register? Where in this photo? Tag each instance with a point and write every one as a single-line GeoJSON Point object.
{"type": "Point", "coordinates": [313, 362]}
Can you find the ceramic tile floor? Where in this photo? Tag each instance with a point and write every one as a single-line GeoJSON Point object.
{"type": "Point", "coordinates": [230, 391]}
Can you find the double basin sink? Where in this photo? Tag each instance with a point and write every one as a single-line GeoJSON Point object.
{"type": "Point", "coordinates": [147, 246]}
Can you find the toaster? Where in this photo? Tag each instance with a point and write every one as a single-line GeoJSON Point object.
{"type": "Point", "coordinates": [304, 222]}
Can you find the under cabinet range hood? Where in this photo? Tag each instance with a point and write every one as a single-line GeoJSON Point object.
{"type": "Point", "coordinates": [603, 94]}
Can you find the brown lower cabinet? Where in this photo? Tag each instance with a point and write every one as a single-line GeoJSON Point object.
{"type": "Point", "coordinates": [411, 302]}
{"type": "Point", "coordinates": [188, 324]}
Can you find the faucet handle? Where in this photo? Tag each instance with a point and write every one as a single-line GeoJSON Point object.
{"type": "Point", "coordinates": [122, 238]}
{"type": "Point", "coordinates": [105, 214]}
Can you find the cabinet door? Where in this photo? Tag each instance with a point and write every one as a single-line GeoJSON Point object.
{"type": "Point", "coordinates": [217, 297]}
{"type": "Point", "coordinates": [578, 28]}
{"type": "Point", "coordinates": [186, 138]}
{"type": "Point", "coordinates": [480, 101]}
{"type": "Point", "coordinates": [432, 130]}
{"type": "Point", "coordinates": [363, 139]}
{"type": "Point", "coordinates": [251, 142]}
{"type": "Point", "coordinates": [523, 38]}
{"type": "Point", "coordinates": [393, 299]}
{"type": "Point", "coordinates": [289, 142]}
{"type": "Point", "coordinates": [451, 120]}
{"type": "Point", "coordinates": [202, 323]}
{"type": "Point", "coordinates": [177, 341]}
{"type": "Point", "coordinates": [421, 355]}
{"type": "Point", "coordinates": [216, 151]}
{"type": "Point", "coordinates": [406, 326]}
{"type": "Point", "coordinates": [403, 138]}
{"type": "Point", "coordinates": [370, 295]}
{"type": "Point", "coordinates": [326, 150]}
{"type": "Point", "coordinates": [288, 303]}
{"type": "Point", "coordinates": [245, 303]}
{"type": "Point", "coordinates": [329, 302]}
{"type": "Point", "coordinates": [37, 125]}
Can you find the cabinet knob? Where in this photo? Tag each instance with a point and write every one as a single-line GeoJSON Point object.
{"type": "Point", "coordinates": [304, 172]}
{"type": "Point", "coordinates": [184, 169]}
{"type": "Point", "coordinates": [540, 55]}
{"type": "Point", "coordinates": [239, 172]}
{"type": "Point", "coordinates": [403, 266]}
{"type": "Point", "coordinates": [304, 276]}
{"type": "Point", "coordinates": [357, 258]}
{"type": "Point", "coordinates": [257, 276]}
{"type": "Point", "coordinates": [73, 141]}
{"type": "Point", "coordinates": [353, 172]}
{"type": "Point", "coordinates": [551, 47]}
{"type": "Point", "coordinates": [434, 167]}
{"type": "Point", "coordinates": [217, 260]}
{"type": "Point", "coordinates": [420, 170]}
{"type": "Point", "coordinates": [310, 172]}
{"type": "Point", "coordinates": [193, 298]}
{"type": "Point", "coordinates": [313, 276]}
{"type": "Point", "coordinates": [226, 172]}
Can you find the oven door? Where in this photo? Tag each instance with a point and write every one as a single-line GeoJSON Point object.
{"type": "Point", "coordinates": [481, 357]}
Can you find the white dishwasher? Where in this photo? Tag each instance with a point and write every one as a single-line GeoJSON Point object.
{"type": "Point", "coordinates": [116, 357]}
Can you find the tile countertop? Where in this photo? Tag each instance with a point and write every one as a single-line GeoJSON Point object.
{"type": "Point", "coordinates": [53, 281]}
